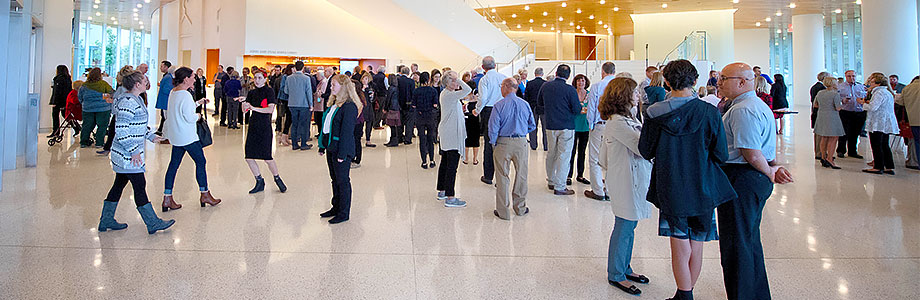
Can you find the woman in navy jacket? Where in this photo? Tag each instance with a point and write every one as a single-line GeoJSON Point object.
{"type": "Point", "coordinates": [338, 141]}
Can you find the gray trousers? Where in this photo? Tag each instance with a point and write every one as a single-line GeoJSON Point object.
{"type": "Point", "coordinates": [557, 159]}
{"type": "Point", "coordinates": [510, 150]}
{"type": "Point", "coordinates": [595, 142]}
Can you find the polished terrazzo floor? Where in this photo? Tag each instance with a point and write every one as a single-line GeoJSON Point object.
{"type": "Point", "coordinates": [830, 235]}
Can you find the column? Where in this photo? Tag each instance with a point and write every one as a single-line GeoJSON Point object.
{"type": "Point", "coordinates": [807, 55]}
{"type": "Point", "coordinates": [889, 36]}
{"type": "Point", "coordinates": [559, 48]}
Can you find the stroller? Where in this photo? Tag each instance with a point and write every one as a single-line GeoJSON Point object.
{"type": "Point", "coordinates": [73, 116]}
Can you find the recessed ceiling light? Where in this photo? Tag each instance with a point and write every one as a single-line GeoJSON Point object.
{"type": "Point", "coordinates": [140, 5]}
{"type": "Point", "coordinates": [779, 31]}
{"type": "Point", "coordinates": [616, 8]}
{"type": "Point", "coordinates": [560, 19]}
{"type": "Point", "coordinates": [519, 26]}
{"type": "Point", "coordinates": [514, 15]}
{"type": "Point", "coordinates": [578, 27]}
{"type": "Point", "coordinates": [564, 4]}
{"type": "Point", "coordinates": [591, 17]}
{"type": "Point", "coordinates": [578, 10]}
{"type": "Point", "coordinates": [140, 22]}
{"type": "Point", "coordinates": [135, 10]}
{"type": "Point", "coordinates": [792, 5]}
{"type": "Point", "coordinates": [112, 18]}
{"type": "Point", "coordinates": [558, 31]}
{"type": "Point", "coordinates": [493, 10]}
{"type": "Point", "coordinates": [838, 11]}
{"type": "Point", "coordinates": [664, 5]}
{"type": "Point", "coordinates": [571, 23]}
{"type": "Point", "coordinates": [98, 13]}
{"type": "Point", "coordinates": [97, 1]}
{"type": "Point", "coordinates": [603, 2]}
{"type": "Point", "coordinates": [503, 22]}
{"type": "Point", "coordinates": [545, 13]}
{"type": "Point", "coordinates": [95, 6]}
{"type": "Point", "coordinates": [142, 26]}
{"type": "Point", "coordinates": [526, 7]}
{"type": "Point", "coordinates": [757, 24]}
{"type": "Point", "coordinates": [768, 19]}
{"type": "Point", "coordinates": [600, 22]}
{"type": "Point", "coordinates": [531, 30]}
{"type": "Point", "coordinates": [605, 26]}
{"type": "Point", "coordinates": [135, 14]}
{"type": "Point", "coordinates": [544, 24]}
{"type": "Point", "coordinates": [89, 18]}
{"type": "Point", "coordinates": [531, 20]}
{"type": "Point", "coordinates": [779, 13]}
{"type": "Point", "coordinates": [552, 28]}
{"type": "Point", "coordinates": [146, 1]}
{"type": "Point", "coordinates": [735, 1]}
{"type": "Point", "coordinates": [858, 2]}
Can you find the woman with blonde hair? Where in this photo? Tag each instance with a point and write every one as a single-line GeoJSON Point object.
{"type": "Point", "coordinates": [762, 88]}
{"type": "Point", "coordinates": [655, 89]}
{"type": "Point", "coordinates": [337, 138]}
{"type": "Point", "coordinates": [880, 122]}
{"type": "Point", "coordinates": [627, 175]}
{"type": "Point", "coordinates": [828, 125]}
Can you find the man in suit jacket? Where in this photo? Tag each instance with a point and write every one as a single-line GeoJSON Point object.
{"type": "Point", "coordinates": [530, 95]}
{"type": "Point", "coordinates": [406, 87]}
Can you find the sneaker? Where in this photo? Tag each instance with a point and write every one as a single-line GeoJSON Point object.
{"type": "Point", "coordinates": [442, 196]}
{"type": "Point", "coordinates": [454, 202]}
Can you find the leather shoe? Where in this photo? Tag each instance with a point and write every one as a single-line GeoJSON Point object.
{"type": "Point", "coordinates": [872, 171]}
{"type": "Point", "coordinates": [338, 220]}
{"type": "Point", "coordinates": [526, 211]}
{"type": "Point", "coordinates": [328, 214]}
{"type": "Point", "coordinates": [841, 155]}
{"type": "Point", "coordinates": [913, 167]}
{"type": "Point", "coordinates": [564, 192]}
{"type": "Point", "coordinates": [857, 156]}
{"type": "Point", "coordinates": [550, 186]}
{"type": "Point", "coordinates": [592, 195]}
{"type": "Point", "coordinates": [889, 172]}
{"type": "Point", "coordinates": [484, 180]}
{"type": "Point", "coordinates": [495, 212]}
{"type": "Point", "coordinates": [639, 279]}
{"type": "Point", "coordinates": [583, 180]}
{"type": "Point", "coordinates": [632, 290]}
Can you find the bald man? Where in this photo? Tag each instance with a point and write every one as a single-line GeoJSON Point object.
{"type": "Point", "coordinates": [509, 124]}
{"type": "Point", "coordinates": [751, 135]}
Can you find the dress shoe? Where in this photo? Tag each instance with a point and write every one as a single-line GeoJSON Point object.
{"type": "Point", "coordinates": [391, 144]}
{"type": "Point", "coordinates": [632, 289]}
{"type": "Point", "coordinates": [583, 180]}
{"type": "Point", "coordinates": [550, 186]}
{"type": "Point", "coordinates": [592, 195]}
{"type": "Point", "coordinates": [872, 171]}
{"type": "Point", "coordinates": [337, 220]}
{"type": "Point", "coordinates": [640, 279]}
{"type": "Point", "coordinates": [526, 211]}
{"type": "Point", "coordinates": [889, 172]}
{"type": "Point", "coordinates": [841, 155]}
{"type": "Point", "coordinates": [564, 192]}
{"type": "Point", "coordinates": [206, 198]}
{"type": "Point", "coordinates": [568, 181]}
{"type": "Point", "coordinates": [327, 214]}
{"type": "Point", "coordinates": [856, 156]}
{"type": "Point", "coordinates": [495, 212]}
{"type": "Point", "coordinates": [913, 167]}
{"type": "Point", "coordinates": [369, 145]}
{"type": "Point", "coordinates": [432, 165]}
{"type": "Point", "coordinates": [484, 180]}
{"type": "Point", "coordinates": [169, 203]}
{"type": "Point", "coordinates": [425, 165]}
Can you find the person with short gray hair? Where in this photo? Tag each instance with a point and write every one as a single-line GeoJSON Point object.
{"type": "Point", "coordinates": [489, 93]}
{"type": "Point", "coordinates": [508, 129]}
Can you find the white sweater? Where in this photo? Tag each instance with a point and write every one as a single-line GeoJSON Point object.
{"type": "Point", "coordinates": [180, 119]}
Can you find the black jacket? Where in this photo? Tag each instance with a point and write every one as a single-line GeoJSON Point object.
{"type": "Point", "coordinates": [61, 87]}
{"type": "Point", "coordinates": [424, 102]}
{"type": "Point", "coordinates": [379, 83]}
{"type": "Point", "coordinates": [688, 146]}
{"type": "Point", "coordinates": [406, 87]}
{"type": "Point", "coordinates": [200, 86]}
{"type": "Point", "coordinates": [815, 89]}
{"type": "Point", "coordinates": [341, 138]}
{"type": "Point", "coordinates": [392, 99]}
{"type": "Point", "coordinates": [531, 91]}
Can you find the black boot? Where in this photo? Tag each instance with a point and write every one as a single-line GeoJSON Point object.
{"type": "Point", "coordinates": [260, 185]}
{"type": "Point", "coordinates": [280, 184]}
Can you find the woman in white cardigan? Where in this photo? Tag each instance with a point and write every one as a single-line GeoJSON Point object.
{"type": "Point", "coordinates": [452, 136]}
{"type": "Point", "coordinates": [880, 122]}
{"type": "Point", "coordinates": [627, 176]}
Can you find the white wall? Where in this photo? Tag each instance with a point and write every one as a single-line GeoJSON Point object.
{"type": "Point", "coordinates": [316, 28]}
{"type": "Point", "coordinates": [625, 43]}
{"type": "Point", "coordinates": [752, 46]}
{"type": "Point", "coordinates": [664, 31]}
{"type": "Point", "coordinates": [56, 45]}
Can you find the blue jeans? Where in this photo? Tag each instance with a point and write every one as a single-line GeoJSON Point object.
{"type": "Point", "coordinates": [300, 125]}
{"type": "Point", "coordinates": [619, 254]}
{"type": "Point", "coordinates": [201, 174]}
{"type": "Point", "coordinates": [915, 130]}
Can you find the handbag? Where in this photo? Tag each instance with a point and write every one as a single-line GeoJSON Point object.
{"type": "Point", "coordinates": [204, 131]}
{"type": "Point", "coordinates": [393, 118]}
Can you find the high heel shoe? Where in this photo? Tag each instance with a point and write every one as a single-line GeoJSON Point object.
{"type": "Point", "coordinates": [280, 184]}
{"type": "Point", "coordinates": [169, 203]}
{"type": "Point", "coordinates": [206, 198]}
{"type": "Point", "coordinates": [825, 163]}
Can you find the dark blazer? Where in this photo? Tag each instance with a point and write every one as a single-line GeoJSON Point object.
{"type": "Point", "coordinates": [379, 83]}
{"type": "Point", "coordinates": [392, 99]}
{"type": "Point", "coordinates": [688, 146]}
{"type": "Point", "coordinates": [406, 87]}
{"type": "Point", "coordinates": [341, 138]}
{"type": "Point", "coordinates": [60, 89]}
{"type": "Point", "coordinates": [531, 91]}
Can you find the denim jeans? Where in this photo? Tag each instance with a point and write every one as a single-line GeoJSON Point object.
{"type": "Point", "coordinates": [619, 253]}
{"type": "Point", "coordinates": [201, 174]}
{"type": "Point", "coordinates": [300, 125]}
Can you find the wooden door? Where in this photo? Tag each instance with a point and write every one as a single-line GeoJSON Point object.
{"type": "Point", "coordinates": [213, 60]}
{"type": "Point", "coordinates": [583, 46]}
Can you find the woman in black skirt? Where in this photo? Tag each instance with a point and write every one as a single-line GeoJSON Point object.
{"type": "Point", "coordinates": [261, 101]}
{"type": "Point", "coordinates": [473, 131]}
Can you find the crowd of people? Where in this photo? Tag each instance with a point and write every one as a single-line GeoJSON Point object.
{"type": "Point", "coordinates": [692, 153]}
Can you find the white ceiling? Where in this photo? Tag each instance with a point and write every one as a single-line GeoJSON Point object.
{"type": "Point", "coordinates": [127, 13]}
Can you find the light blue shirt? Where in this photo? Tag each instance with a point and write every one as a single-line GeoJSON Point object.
{"type": "Point", "coordinates": [490, 89]}
{"type": "Point", "coordinates": [852, 91]}
{"type": "Point", "coordinates": [749, 124]}
{"type": "Point", "coordinates": [511, 117]}
{"type": "Point", "coordinates": [594, 99]}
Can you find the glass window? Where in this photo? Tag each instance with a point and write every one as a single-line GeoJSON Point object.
{"type": "Point", "coordinates": [94, 50]}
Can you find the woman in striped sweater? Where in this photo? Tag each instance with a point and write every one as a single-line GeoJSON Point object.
{"type": "Point", "coordinates": [128, 156]}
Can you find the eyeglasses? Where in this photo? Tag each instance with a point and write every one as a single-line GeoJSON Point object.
{"type": "Point", "coordinates": [724, 78]}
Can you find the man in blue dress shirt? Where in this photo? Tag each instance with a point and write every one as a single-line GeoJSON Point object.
{"type": "Point", "coordinates": [596, 137]}
{"type": "Point", "coordinates": [852, 115]}
{"type": "Point", "coordinates": [751, 169]}
{"type": "Point", "coordinates": [510, 123]}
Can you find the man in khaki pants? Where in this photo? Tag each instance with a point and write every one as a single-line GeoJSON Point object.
{"type": "Point", "coordinates": [509, 124]}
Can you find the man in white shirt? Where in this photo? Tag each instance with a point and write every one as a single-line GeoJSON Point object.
{"type": "Point", "coordinates": [596, 125]}
{"type": "Point", "coordinates": [643, 98]}
{"type": "Point", "coordinates": [489, 93]}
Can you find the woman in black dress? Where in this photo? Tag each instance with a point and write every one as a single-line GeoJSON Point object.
{"type": "Point", "coordinates": [261, 101]}
{"type": "Point", "coordinates": [778, 92]}
{"type": "Point", "coordinates": [473, 131]}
